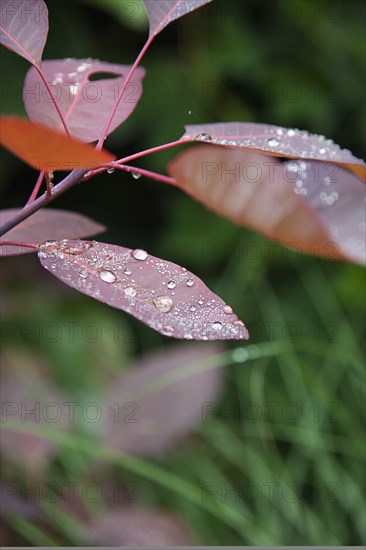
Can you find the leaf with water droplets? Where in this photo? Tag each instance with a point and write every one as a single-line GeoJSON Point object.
{"type": "Point", "coordinates": [47, 223]}
{"type": "Point", "coordinates": [275, 141]}
{"type": "Point", "coordinates": [185, 378]}
{"type": "Point", "coordinates": [136, 282]}
{"type": "Point", "coordinates": [24, 27]}
{"type": "Point", "coordinates": [46, 149]}
{"type": "Point", "coordinates": [84, 99]}
{"type": "Point", "coordinates": [310, 206]}
{"type": "Point", "coordinates": [163, 12]}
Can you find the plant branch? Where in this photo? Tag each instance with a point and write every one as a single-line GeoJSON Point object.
{"type": "Point", "coordinates": [36, 188]}
{"type": "Point", "coordinates": [124, 86]}
{"type": "Point", "coordinates": [133, 170]}
{"type": "Point", "coordinates": [72, 179]}
{"type": "Point", "coordinates": [40, 72]}
{"type": "Point", "coordinates": [16, 243]}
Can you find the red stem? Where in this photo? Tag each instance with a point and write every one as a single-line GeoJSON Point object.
{"type": "Point", "coordinates": [36, 188]}
{"type": "Point", "coordinates": [133, 170]}
{"type": "Point", "coordinates": [53, 98]}
{"type": "Point", "coordinates": [16, 243]}
{"type": "Point", "coordinates": [124, 86]}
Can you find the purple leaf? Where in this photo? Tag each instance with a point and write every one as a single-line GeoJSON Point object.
{"type": "Point", "coordinates": [24, 390]}
{"type": "Point", "coordinates": [314, 206]}
{"type": "Point", "coordinates": [163, 12]}
{"type": "Point", "coordinates": [171, 380]}
{"type": "Point", "coordinates": [84, 104]}
{"type": "Point", "coordinates": [24, 27]}
{"type": "Point", "coordinates": [163, 295]}
{"type": "Point", "coordinates": [48, 223]}
{"type": "Point", "coordinates": [137, 526]}
{"type": "Point", "coordinates": [275, 141]}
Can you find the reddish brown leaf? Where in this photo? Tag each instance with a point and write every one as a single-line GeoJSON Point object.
{"type": "Point", "coordinates": [275, 141]}
{"type": "Point", "coordinates": [46, 149]}
{"type": "Point", "coordinates": [313, 206]}
{"type": "Point", "coordinates": [47, 223]}
{"type": "Point", "coordinates": [163, 295]}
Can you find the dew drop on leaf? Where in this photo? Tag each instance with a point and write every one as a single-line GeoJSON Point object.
{"type": "Point", "coordinates": [163, 303]}
{"type": "Point", "coordinates": [140, 254]}
{"type": "Point", "coordinates": [107, 276]}
{"type": "Point", "coordinates": [190, 282]}
{"type": "Point", "coordinates": [127, 271]}
{"type": "Point", "coordinates": [228, 310]}
{"type": "Point", "coordinates": [130, 291]}
{"type": "Point", "coordinates": [171, 285]}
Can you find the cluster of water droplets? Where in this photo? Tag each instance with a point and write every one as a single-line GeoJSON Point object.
{"type": "Point", "coordinates": [183, 306]}
{"type": "Point", "coordinates": [283, 141]}
{"type": "Point", "coordinates": [72, 77]}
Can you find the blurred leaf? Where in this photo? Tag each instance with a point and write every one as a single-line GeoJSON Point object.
{"type": "Point", "coordinates": [46, 149]}
{"type": "Point", "coordinates": [313, 206]}
{"type": "Point", "coordinates": [24, 28]}
{"type": "Point", "coordinates": [46, 224]}
{"type": "Point", "coordinates": [161, 399]}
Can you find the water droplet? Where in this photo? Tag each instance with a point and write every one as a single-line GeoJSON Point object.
{"type": "Point", "coordinates": [190, 282]}
{"type": "Point", "coordinates": [127, 271]}
{"type": "Point", "coordinates": [171, 284]}
{"type": "Point", "coordinates": [228, 310]}
{"type": "Point", "coordinates": [110, 170]}
{"type": "Point", "coordinates": [192, 308]}
{"type": "Point", "coordinates": [189, 112]}
{"type": "Point", "coordinates": [217, 325]}
{"type": "Point", "coordinates": [279, 132]}
{"type": "Point", "coordinates": [130, 291]}
{"type": "Point", "coordinates": [322, 151]}
{"type": "Point", "coordinates": [74, 88]}
{"type": "Point", "coordinates": [240, 355]}
{"type": "Point", "coordinates": [290, 133]}
{"type": "Point", "coordinates": [83, 274]}
{"type": "Point", "coordinates": [163, 303]}
{"type": "Point", "coordinates": [201, 301]}
{"type": "Point", "coordinates": [136, 175]}
{"type": "Point", "coordinates": [273, 142]}
{"type": "Point", "coordinates": [140, 254]}
{"type": "Point", "coordinates": [73, 250]}
{"type": "Point", "coordinates": [107, 276]}
{"type": "Point", "coordinates": [188, 336]}
{"type": "Point", "coordinates": [168, 329]}
{"type": "Point", "coordinates": [203, 137]}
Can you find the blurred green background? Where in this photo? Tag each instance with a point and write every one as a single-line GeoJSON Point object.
{"type": "Point", "coordinates": [297, 63]}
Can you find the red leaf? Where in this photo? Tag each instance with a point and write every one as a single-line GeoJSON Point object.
{"type": "Point", "coordinates": [275, 141]}
{"type": "Point", "coordinates": [46, 149]}
{"type": "Point", "coordinates": [315, 206]}
{"type": "Point", "coordinates": [163, 295]}
{"type": "Point", "coordinates": [171, 380]}
{"type": "Point", "coordinates": [163, 12]}
{"type": "Point", "coordinates": [85, 105]}
{"type": "Point", "coordinates": [24, 27]}
{"type": "Point", "coordinates": [47, 223]}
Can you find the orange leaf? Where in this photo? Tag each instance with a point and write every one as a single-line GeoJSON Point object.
{"type": "Point", "coordinates": [47, 149]}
